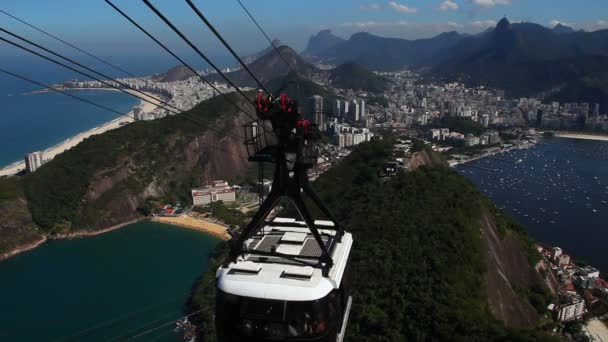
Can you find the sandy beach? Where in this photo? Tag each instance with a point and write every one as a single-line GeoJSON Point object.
{"type": "Point", "coordinates": [198, 224]}
{"type": "Point", "coordinates": [53, 151]}
{"type": "Point", "coordinates": [585, 136]}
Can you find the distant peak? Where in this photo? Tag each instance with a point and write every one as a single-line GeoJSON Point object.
{"type": "Point", "coordinates": [503, 24]}
{"type": "Point", "coordinates": [560, 28]}
{"type": "Point", "coordinates": [285, 49]}
{"type": "Point", "coordinates": [360, 35]}
{"type": "Point", "coordinates": [449, 34]}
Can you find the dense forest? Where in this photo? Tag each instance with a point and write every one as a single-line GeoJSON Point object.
{"type": "Point", "coordinates": [419, 275]}
{"type": "Point", "coordinates": [355, 76]}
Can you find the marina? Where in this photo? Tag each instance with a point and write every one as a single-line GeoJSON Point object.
{"type": "Point", "coordinates": [559, 191]}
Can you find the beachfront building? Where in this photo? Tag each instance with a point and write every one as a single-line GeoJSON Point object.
{"type": "Point", "coordinates": [34, 160]}
{"type": "Point", "coordinates": [218, 191]}
{"type": "Point", "coordinates": [573, 309]}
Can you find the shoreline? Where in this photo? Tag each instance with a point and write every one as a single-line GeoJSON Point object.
{"type": "Point", "coordinates": [77, 235]}
{"type": "Point", "coordinates": [499, 152]}
{"type": "Point", "coordinates": [23, 249]}
{"type": "Point", "coordinates": [210, 228]}
{"type": "Point", "coordinates": [581, 136]}
{"type": "Point", "coordinates": [200, 225]}
{"type": "Point", "coordinates": [58, 148]}
{"type": "Point", "coordinates": [89, 233]}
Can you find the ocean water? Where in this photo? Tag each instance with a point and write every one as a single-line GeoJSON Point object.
{"type": "Point", "coordinates": [111, 286]}
{"type": "Point", "coordinates": [559, 191]}
{"type": "Point", "coordinates": [35, 122]}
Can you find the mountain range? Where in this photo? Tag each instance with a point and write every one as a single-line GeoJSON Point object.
{"type": "Point", "coordinates": [522, 58]}
{"type": "Point", "coordinates": [275, 65]}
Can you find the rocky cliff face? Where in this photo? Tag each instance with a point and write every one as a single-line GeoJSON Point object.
{"type": "Point", "coordinates": [110, 200]}
{"type": "Point", "coordinates": [508, 271]}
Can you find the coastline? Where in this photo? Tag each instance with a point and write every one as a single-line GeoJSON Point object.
{"type": "Point", "coordinates": [582, 136]}
{"type": "Point", "coordinates": [23, 249]}
{"type": "Point", "coordinates": [62, 146]}
{"type": "Point", "coordinates": [181, 221]}
{"type": "Point", "coordinates": [88, 233]}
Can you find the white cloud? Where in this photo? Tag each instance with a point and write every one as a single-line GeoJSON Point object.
{"type": "Point", "coordinates": [401, 8]}
{"type": "Point", "coordinates": [483, 23]}
{"type": "Point", "coordinates": [490, 3]}
{"type": "Point", "coordinates": [371, 6]}
{"type": "Point", "coordinates": [454, 24]}
{"type": "Point", "coordinates": [448, 5]}
{"type": "Point", "coordinates": [374, 24]}
{"type": "Point", "coordinates": [602, 23]}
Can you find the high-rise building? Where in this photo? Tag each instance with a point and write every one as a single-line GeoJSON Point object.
{"type": "Point", "coordinates": [316, 107]}
{"type": "Point", "coordinates": [596, 109]}
{"type": "Point", "coordinates": [485, 120]}
{"type": "Point", "coordinates": [33, 161]}
{"type": "Point", "coordinates": [345, 109]}
{"type": "Point", "coordinates": [355, 111]}
{"type": "Point", "coordinates": [137, 111]}
{"type": "Point", "coordinates": [363, 113]}
{"type": "Point", "coordinates": [337, 109]}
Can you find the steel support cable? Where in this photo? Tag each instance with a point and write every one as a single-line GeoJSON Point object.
{"type": "Point", "coordinates": [267, 38]}
{"type": "Point", "coordinates": [94, 71]}
{"type": "Point", "coordinates": [68, 44]}
{"type": "Point", "coordinates": [102, 81]}
{"type": "Point", "coordinates": [219, 36]}
{"type": "Point", "coordinates": [79, 335]}
{"type": "Point", "coordinates": [96, 104]}
{"type": "Point", "coordinates": [123, 338]}
{"type": "Point", "coordinates": [84, 66]}
{"type": "Point", "coordinates": [196, 49]}
{"type": "Point", "coordinates": [63, 92]}
{"type": "Point", "coordinates": [126, 16]}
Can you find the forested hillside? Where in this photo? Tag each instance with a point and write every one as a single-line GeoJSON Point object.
{"type": "Point", "coordinates": [351, 75]}
{"type": "Point", "coordinates": [105, 179]}
{"type": "Point", "coordinates": [419, 258]}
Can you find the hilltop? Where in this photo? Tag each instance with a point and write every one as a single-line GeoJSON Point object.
{"type": "Point", "coordinates": [355, 76]}
{"type": "Point", "coordinates": [177, 73]}
{"type": "Point", "coordinates": [272, 66]}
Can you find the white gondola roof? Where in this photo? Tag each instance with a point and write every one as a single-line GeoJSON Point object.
{"type": "Point", "coordinates": [281, 279]}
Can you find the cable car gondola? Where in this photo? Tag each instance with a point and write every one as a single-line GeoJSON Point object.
{"type": "Point", "coordinates": [285, 279]}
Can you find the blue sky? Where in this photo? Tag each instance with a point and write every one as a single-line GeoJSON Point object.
{"type": "Point", "coordinates": [93, 25]}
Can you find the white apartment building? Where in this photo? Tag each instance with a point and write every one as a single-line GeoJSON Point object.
{"type": "Point", "coordinates": [218, 191]}
{"type": "Point", "coordinates": [34, 160]}
{"type": "Point", "coordinates": [571, 311]}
